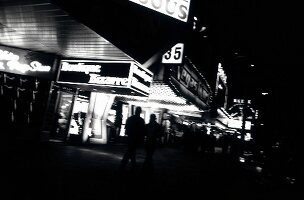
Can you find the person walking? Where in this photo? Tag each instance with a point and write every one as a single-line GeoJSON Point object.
{"type": "Point", "coordinates": [135, 128]}
{"type": "Point", "coordinates": [153, 132]}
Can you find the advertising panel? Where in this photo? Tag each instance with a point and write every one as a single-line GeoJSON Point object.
{"type": "Point", "coordinates": [24, 62]}
{"type": "Point", "coordinates": [106, 74]}
{"type": "Point", "coordinates": [178, 9]}
{"type": "Point", "coordinates": [191, 84]}
{"type": "Point", "coordinates": [141, 79]}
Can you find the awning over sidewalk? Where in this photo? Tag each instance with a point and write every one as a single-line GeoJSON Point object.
{"type": "Point", "coordinates": [40, 25]}
{"type": "Point", "coordinates": [135, 29]}
{"type": "Point", "coordinates": [115, 29]}
{"type": "Point", "coordinates": [162, 96]}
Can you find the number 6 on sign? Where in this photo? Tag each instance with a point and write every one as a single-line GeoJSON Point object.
{"type": "Point", "coordinates": [174, 55]}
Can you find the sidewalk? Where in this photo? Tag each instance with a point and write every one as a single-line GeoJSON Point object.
{"type": "Point", "coordinates": [59, 171]}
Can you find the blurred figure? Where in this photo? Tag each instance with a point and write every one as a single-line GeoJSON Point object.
{"type": "Point", "coordinates": [225, 143]}
{"type": "Point", "coordinates": [135, 128]}
{"type": "Point", "coordinates": [166, 127]}
{"type": "Point", "coordinates": [210, 143]}
{"type": "Point", "coordinates": [191, 138]}
{"type": "Point", "coordinates": [203, 139]}
{"type": "Point", "coordinates": [153, 132]}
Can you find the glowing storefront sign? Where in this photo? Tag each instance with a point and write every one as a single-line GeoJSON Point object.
{"type": "Point", "coordinates": [178, 9]}
{"type": "Point", "coordinates": [23, 62]}
{"type": "Point", "coordinates": [106, 74]}
{"type": "Point", "coordinates": [96, 79]}
{"type": "Point", "coordinates": [141, 79]}
{"type": "Point", "coordinates": [34, 66]}
{"type": "Point", "coordinates": [190, 83]}
{"type": "Point", "coordinates": [6, 55]}
{"type": "Point", "coordinates": [193, 84]}
{"type": "Point", "coordinates": [80, 67]}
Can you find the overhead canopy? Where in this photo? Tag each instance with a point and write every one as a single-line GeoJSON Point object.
{"type": "Point", "coordinates": [42, 26]}
{"type": "Point", "coordinates": [112, 30]}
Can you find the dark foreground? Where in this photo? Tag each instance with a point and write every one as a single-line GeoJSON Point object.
{"type": "Point", "coordinates": [55, 170]}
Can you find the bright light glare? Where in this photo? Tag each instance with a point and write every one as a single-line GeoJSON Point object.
{"type": "Point", "coordinates": [203, 29]}
{"type": "Point", "coordinates": [259, 169]}
{"type": "Point", "coordinates": [264, 93]}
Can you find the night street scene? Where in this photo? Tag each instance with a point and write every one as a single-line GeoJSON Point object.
{"type": "Point", "coordinates": [151, 99]}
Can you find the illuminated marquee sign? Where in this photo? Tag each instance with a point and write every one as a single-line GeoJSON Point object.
{"type": "Point", "coordinates": [115, 74]}
{"type": "Point", "coordinates": [25, 62]}
{"type": "Point", "coordinates": [187, 79]}
{"type": "Point", "coordinates": [190, 83]}
{"type": "Point", "coordinates": [178, 9]}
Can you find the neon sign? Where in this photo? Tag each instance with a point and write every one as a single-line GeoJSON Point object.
{"type": "Point", "coordinates": [80, 67]}
{"type": "Point", "coordinates": [97, 79]}
{"type": "Point", "coordinates": [17, 61]}
{"type": "Point", "coordinates": [6, 55]}
{"type": "Point", "coordinates": [34, 66]}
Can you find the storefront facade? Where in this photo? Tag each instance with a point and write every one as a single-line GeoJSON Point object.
{"type": "Point", "coordinates": [26, 78]}
{"type": "Point", "coordinates": [180, 96]}
{"type": "Point", "coordinates": [84, 96]}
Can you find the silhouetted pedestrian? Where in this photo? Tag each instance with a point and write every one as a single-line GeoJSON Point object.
{"type": "Point", "coordinates": [153, 131]}
{"type": "Point", "coordinates": [135, 128]}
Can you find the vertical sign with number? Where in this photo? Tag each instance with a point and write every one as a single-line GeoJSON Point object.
{"type": "Point", "coordinates": [174, 55]}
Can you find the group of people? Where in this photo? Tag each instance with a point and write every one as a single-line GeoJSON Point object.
{"type": "Point", "coordinates": [138, 132]}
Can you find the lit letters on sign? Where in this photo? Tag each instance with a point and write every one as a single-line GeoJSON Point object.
{"type": "Point", "coordinates": [178, 9]}
{"type": "Point", "coordinates": [96, 79]}
{"type": "Point", "coordinates": [19, 64]}
{"type": "Point", "coordinates": [80, 67]}
{"type": "Point", "coordinates": [124, 74]}
{"type": "Point", "coordinates": [147, 76]}
{"type": "Point", "coordinates": [191, 82]}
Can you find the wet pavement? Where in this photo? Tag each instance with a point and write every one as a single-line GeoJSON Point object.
{"type": "Point", "coordinates": [64, 171]}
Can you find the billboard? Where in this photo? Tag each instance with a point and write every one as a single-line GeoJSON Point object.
{"type": "Point", "coordinates": [178, 9]}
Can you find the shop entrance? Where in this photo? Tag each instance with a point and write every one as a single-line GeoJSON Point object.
{"type": "Point", "coordinates": [70, 114]}
{"type": "Point", "coordinates": [63, 115]}
{"type": "Point", "coordinates": [78, 116]}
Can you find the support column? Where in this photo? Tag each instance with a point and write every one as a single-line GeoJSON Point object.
{"type": "Point", "coordinates": [102, 105]}
{"type": "Point", "coordinates": [87, 122]}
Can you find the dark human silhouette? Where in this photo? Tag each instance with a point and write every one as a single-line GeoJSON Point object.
{"type": "Point", "coordinates": [153, 131]}
{"type": "Point", "coordinates": [135, 128]}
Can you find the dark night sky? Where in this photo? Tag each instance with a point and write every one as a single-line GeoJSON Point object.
{"type": "Point", "coordinates": [268, 34]}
